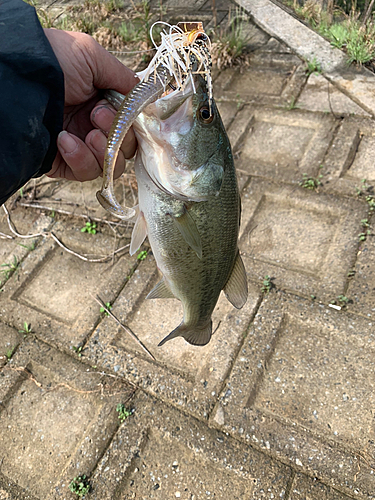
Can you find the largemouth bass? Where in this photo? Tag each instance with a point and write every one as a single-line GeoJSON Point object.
{"type": "Point", "coordinates": [189, 203]}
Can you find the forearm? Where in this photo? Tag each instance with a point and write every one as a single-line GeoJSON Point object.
{"type": "Point", "coordinates": [32, 104]}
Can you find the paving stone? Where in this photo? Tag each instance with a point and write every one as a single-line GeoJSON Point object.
{"type": "Point", "coordinates": [320, 95]}
{"type": "Point", "coordinates": [358, 84]}
{"type": "Point", "coordinates": [57, 418]}
{"type": "Point", "coordinates": [350, 158]}
{"type": "Point", "coordinates": [9, 341]}
{"type": "Point", "coordinates": [306, 488]}
{"type": "Point", "coordinates": [183, 375]}
{"type": "Point", "coordinates": [53, 289]}
{"type": "Point", "coordinates": [274, 76]}
{"type": "Point", "coordinates": [361, 289]}
{"type": "Point", "coordinates": [79, 198]}
{"type": "Point", "coordinates": [307, 242]}
{"type": "Point", "coordinates": [161, 453]}
{"type": "Point", "coordinates": [302, 389]}
{"type": "Point", "coordinates": [284, 145]}
{"type": "Point", "coordinates": [14, 249]}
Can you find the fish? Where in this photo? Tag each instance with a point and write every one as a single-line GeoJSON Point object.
{"type": "Point", "coordinates": [189, 204]}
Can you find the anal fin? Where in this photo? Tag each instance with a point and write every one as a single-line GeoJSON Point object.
{"type": "Point", "coordinates": [236, 287]}
{"type": "Point", "coordinates": [189, 231]}
{"type": "Point", "coordinates": [161, 291]}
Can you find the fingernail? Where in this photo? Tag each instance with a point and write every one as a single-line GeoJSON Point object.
{"type": "Point", "coordinates": [98, 141]}
{"type": "Point", "coordinates": [107, 114]}
{"type": "Point", "coordinates": [67, 142]}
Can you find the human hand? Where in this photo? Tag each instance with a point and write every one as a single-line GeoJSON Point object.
{"type": "Point", "coordinates": [87, 67]}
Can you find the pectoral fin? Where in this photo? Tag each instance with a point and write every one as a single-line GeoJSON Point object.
{"type": "Point", "coordinates": [236, 287]}
{"type": "Point", "coordinates": [189, 232]}
{"type": "Point", "coordinates": [161, 291]}
{"type": "Point", "coordinates": [139, 234]}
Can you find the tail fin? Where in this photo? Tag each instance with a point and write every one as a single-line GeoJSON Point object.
{"type": "Point", "coordinates": [195, 335]}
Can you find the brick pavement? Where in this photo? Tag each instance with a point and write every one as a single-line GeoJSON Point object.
{"type": "Point", "coordinates": [280, 403]}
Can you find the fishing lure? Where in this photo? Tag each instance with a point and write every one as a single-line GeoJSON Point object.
{"type": "Point", "coordinates": [184, 51]}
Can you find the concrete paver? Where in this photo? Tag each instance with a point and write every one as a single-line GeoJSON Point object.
{"type": "Point", "coordinates": [183, 375]}
{"type": "Point", "coordinates": [312, 250]}
{"type": "Point", "coordinates": [284, 144]}
{"type": "Point", "coordinates": [304, 381]}
{"type": "Point", "coordinates": [60, 305]}
{"type": "Point", "coordinates": [161, 453]}
{"type": "Point", "coordinates": [280, 403]}
{"type": "Point", "coordinates": [58, 416]}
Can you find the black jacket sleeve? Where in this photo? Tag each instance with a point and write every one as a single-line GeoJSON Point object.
{"type": "Point", "coordinates": [31, 97]}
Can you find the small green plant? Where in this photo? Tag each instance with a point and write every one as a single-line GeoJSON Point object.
{"type": "Point", "coordinates": [364, 187]}
{"type": "Point", "coordinates": [129, 32]}
{"type": "Point", "coordinates": [26, 328]}
{"type": "Point", "coordinates": [142, 255]}
{"type": "Point", "coordinates": [10, 268]}
{"type": "Point", "coordinates": [312, 296]}
{"type": "Point", "coordinates": [78, 350]}
{"type": "Point", "coordinates": [28, 247]}
{"type": "Point", "coordinates": [123, 412]}
{"type": "Point", "coordinates": [311, 183]}
{"type": "Point", "coordinates": [267, 284]}
{"type": "Point", "coordinates": [343, 300]}
{"type": "Point", "coordinates": [89, 227]}
{"type": "Point", "coordinates": [10, 352]}
{"type": "Point", "coordinates": [351, 273]}
{"type": "Point", "coordinates": [313, 66]}
{"type": "Point", "coordinates": [229, 47]}
{"type": "Point", "coordinates": [108, 306]}
{"type": "Point", "coordinates": [371, 202]}
{"type": "Point", "coordinates": [239, 101]}
{"type": "Point", "coordinates": [292, 104]}
{"type": "Point", "coordinates": [80, 486]}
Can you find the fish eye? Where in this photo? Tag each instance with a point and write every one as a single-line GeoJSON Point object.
{"type": "Point", "coordinates": [204, 115]}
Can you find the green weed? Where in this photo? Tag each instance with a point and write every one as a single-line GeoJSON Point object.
{"type": "Point", "coordinates": [28, 247]}
{"type": "Point", "coordinates": [89, 227]}
{"type": "Point", "coordinates": [80, 486]}
{"type": "Point", "coordinates": [10, 268]}
{"type": "Point", "coordinates": [26, 328]}
{"type": "Point", "coordinates": [142, 255]}
{"type": "Point", "coordinates": [313, 66]}
{"type": "Point", "coordinates": [229, 47]}
{"type": "Point", "coordinates": [123, 413]}
{"type": "Point", "coordinates": [311, 183]}
{"type": "Point", "coordinates": [343, 300]}
{"type": "Point", "coordinates": [78, 350]}
{"type": "Point", "coordinates": [292, 104]}
{"type": "Point", "coordinates": [267, 284]}
{"type": "Point", "coordinates": [10, 352]}
{"type": "Point", "coordinates": [128, 32]}
{"type": "Point", "coordinates": [108, 306]}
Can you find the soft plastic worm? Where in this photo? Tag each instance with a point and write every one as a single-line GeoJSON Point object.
{"type": "Point", "coordinates": [143, 94]}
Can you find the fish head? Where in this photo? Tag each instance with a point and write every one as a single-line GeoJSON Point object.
{"type": "Point", "coordinates": [183, 143]}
